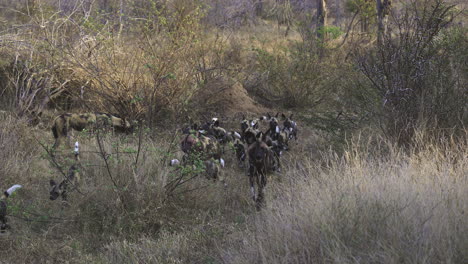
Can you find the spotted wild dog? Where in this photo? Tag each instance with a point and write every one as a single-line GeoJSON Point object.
{"type": "Point", "coordinates": [249, 126]}
{"type": "Point", "coordinates": [3, 206]}
{"type": "Point", "coordinates": [214, 129]}
{"type": "Point", "coordinates": [240, 151]}
{"type": "Point", "coordinates": [195, 144]}
{"type": "Point", "coordinates": [72, 178]}
{"type": "Point", "coordinates": [273, 127]}
{"type": "Point", "coordinates": [64, 123]}
{"type": "Point", "coordinates": [291, 126]}
{"type": "Point", "coordinates": [261, 161]}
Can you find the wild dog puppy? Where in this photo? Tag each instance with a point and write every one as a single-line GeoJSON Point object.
{"type": "Point", "coordinates": [249, 126]}
{"type": "Point", "coordinates": [291, 126]}
{"type": "Point", "coordinates": [64, 123]}
{"type": "Point", "coordinates": [239, 149]}
{"type": "Point", "coordinates": [261, 161]}
{"type": "Point", "coordinates": [213, 169]}
{"type": "Point", "coordinates": [3, 206]}
{"type": "Point", "coordinates": [273, 127]}
{"type": "Point", "coordinates": [73, 178]}
{"type": "Point", "coordinates": [276, 147]}
{"type": "Point", "coordinates": [214, 129]}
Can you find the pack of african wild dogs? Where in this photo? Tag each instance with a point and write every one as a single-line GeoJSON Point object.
{"type": "Point", "coordinates": [261, 150]}
{"type": "Point", "coordinates": [258, 150]}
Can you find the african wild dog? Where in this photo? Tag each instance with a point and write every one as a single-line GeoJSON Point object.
{"type": "Point", "coordinates": [72, 178]}
{"type": "Point", "coordinates": [249, 126]}
{"type": "Point", "coordinates": [198, 146]}
{"type": "Point", "coordinates": [195, 142]}
{"type": "Point", "coordinates": [239, 149]}
{"type": "Point", "coordinates": [213, 129]}
{"type": "Point", "coordinates": [64, 123]}
{"type": "Point", "coordinates": [262, 160]}
{"type": "Point", "coordinates": [291, 126]}
{"type": "Point", "coordinates": [3, 206]}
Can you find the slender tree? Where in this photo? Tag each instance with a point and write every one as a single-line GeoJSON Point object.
{"type": "Point", "coordinates": [321, 18]}
{"type": "Point", "coordinates": [383, 8]}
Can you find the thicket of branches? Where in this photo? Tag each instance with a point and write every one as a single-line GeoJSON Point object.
{"type": "Point", "coordinates": [147, 60]}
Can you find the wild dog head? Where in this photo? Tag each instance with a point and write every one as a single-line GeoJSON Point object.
{"type": "Point", "coordinates": [259, 150]}
{"type": "Point", "coordinates": [3, 206]}
{"type": "Point", "coordinates": [72, 178]}
{"type": "Point", "coordinates": [250, 136]}
{"type": "Point", "coordinates": [291, 126]}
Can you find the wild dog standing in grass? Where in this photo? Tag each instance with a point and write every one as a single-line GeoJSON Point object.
{"type": "Point", "coordinates": [261, 161]}
{"type": "Point", "coordinates": [291, 126]}
{"type": "Point", "coordinates": [72, 178]}
{"type": "Point", "coordinates": [214, 129]}
{"type": "Point", "coordinates": [64, 123]}
{"type": "Point", "coordinates": [273, 127]}
{"type": "Point", "coordinates": [249, 126]}
{"type": "Point", "coordinates": [239, 149]}
{"type": "Point", "coordinates": [3, 206]}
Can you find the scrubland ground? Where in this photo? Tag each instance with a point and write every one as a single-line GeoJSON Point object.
{"type": "Point", "coordinates": [374, 203]}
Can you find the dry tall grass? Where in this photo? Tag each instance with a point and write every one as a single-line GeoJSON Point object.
{"type": "Point", "coordinates": [366, 207]}
{"type": "Point", "coordinates": [373, 204]}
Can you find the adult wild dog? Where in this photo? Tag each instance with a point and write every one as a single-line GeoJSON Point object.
{"type": "Point", "coordinates": [72, 178]}
{"type": "Point", "coordinates": [291, 126]}
{"type": "Point", "coordinates": [66, 122]}
{"type": "Point", "coordinates": [262, 160]}
{"type": "Point", "coordinates": [207, 147]}
{"type": "Point", "coordinates": [3, 206]}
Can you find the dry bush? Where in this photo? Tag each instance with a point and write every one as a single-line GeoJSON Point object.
{"type": "Point", "coordinates": [366, 207]}
{"type": "Point", "coordinates": [416, 71]}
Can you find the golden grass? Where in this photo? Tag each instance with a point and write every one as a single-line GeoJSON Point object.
{"type": "Point", "coordinates": [365, 208]}
{"type": "Point", "coordinates": [373, 204]}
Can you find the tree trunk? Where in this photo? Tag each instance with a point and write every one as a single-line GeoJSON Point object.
{"type": "Point", "coordinates": [383, 8]}
{"type": "Point", "coordinates": [258, 7]}
{"type": "Point", "coordinates": [321, 19]}
{"type": "Point", "coordinates": [338, 13]}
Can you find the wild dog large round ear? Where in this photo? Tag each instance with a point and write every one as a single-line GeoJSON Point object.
{"type": "Point", "coordinates": [259, 135]}
{"type": "Point", "coordinates": [283, 116]}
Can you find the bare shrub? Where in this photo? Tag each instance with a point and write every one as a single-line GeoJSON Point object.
{"type": "Point", "coordinates": [415, 71]}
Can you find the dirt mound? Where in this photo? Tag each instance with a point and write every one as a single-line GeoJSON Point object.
{"type": "Point", "coordinates": [228, 97]}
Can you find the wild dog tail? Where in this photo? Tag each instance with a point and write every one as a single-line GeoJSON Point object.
{"type": "Point", "coordinates": [11, 190]}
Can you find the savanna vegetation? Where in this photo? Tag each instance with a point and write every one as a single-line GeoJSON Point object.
{"type": "Point", "coordinates": [378, 173]}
